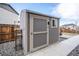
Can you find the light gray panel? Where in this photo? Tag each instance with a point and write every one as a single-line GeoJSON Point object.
{"type": "Point", "coordinates": [53, 34]}
{"type": "Point", "coordinates": [39, 25]}
{"type": "Point", "coordinates": [39, 39]}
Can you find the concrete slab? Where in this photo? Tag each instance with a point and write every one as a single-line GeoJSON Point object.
{"type": "Point", "coordinates": [62, 48]}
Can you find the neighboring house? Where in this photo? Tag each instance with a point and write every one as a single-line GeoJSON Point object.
{"type": "Point", "coordinates": [69, 28]}
{"type": "Point", "coordinates": [39, 30]}
{"type": "Point", "coordinates": [8, 20]}
{"type": "Point", "coordinates": [8, 15]}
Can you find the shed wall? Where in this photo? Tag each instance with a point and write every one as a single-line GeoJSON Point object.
{"type": "Point", "coordinates": [53, 33]}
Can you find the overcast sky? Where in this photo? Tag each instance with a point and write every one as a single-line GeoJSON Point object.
{"type": "Point", "coordinates": [68, 13]}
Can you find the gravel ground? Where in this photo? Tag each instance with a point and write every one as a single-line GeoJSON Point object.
{"type": "Point", "coordinates": [74, 52]}
{"type": "Point", "coordinates": [8, 49]}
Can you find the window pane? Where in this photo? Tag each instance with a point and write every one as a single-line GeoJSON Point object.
{"type": "Point", "coordinates": [53, 22]}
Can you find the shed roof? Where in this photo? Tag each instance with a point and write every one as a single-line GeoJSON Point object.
{"type": "Point", "coordinates": [38, 13]}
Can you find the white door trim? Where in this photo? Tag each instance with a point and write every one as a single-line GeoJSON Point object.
{"type": "Point", "coordinates": [31, 31]}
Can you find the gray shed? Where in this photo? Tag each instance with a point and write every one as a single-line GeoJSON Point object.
{"type": "Point", "coordinates": [39, 30]}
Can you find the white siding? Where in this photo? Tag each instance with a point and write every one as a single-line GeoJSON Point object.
{"type": "Point", "coordinates": [24, 27]}
{"type": "Point", "coordinates": [7, 17]}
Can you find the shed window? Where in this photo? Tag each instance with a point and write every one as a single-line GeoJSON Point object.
{"type": "Point", "coordinates": [54, 23]}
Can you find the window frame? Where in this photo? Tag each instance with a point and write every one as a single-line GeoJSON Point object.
{"type": "Point", "coordinates": [55, 23]}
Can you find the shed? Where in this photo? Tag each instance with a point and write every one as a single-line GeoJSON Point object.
{"type": "Point", "coordinates": [39, 30]}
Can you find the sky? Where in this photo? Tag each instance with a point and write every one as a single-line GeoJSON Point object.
{"type": "Point", "coordinates": [45, 8]}
{"type": "Point", "coordinates": [67, 12]}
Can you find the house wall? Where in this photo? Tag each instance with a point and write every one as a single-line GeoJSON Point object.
{"type": "Point", "coordinates": [7, 17]}
{"type": "Point", "coordinates": [8, 7]}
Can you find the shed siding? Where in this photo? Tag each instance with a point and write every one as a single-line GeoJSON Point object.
{"type": "Point", "coordinates": [53, 33]}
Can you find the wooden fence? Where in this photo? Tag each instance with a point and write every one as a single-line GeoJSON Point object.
{"type": "Point", "coordinates": [9, 32]}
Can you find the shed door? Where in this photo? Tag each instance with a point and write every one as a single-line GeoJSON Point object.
{"type": "Point", "coordinates": [39, 32]}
